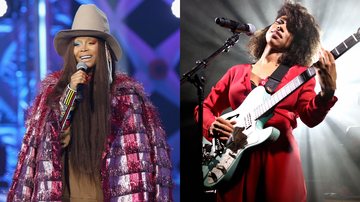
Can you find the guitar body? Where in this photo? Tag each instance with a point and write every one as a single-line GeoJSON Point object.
{"type": "Point", "coordinates": [222, 167]}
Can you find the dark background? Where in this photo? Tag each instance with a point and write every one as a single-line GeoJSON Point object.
{"type": "Point", "coordinates": [329, 152]}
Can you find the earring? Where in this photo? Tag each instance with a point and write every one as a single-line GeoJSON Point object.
{"type": "Point", "coordinates": [108, 62]}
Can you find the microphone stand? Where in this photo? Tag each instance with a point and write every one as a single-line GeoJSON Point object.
{"type": "Point", "coordinates": [190, 76]}
{"type": "Point", "coordinates": [196, 77]}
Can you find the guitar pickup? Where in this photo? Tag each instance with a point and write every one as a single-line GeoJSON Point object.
{"type": "Point", "coordinates": [221, 168]}
{"type": "Point", "coordinates": [212, 176]}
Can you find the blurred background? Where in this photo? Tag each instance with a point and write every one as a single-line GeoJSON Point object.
{"type": "Point", "coordinates": [330, 152]}
{"type": "Point", "coordinates": [148, 32]}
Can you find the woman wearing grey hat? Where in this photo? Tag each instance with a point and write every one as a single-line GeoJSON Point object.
{"type": "Point", "coordinates": [92, 134]}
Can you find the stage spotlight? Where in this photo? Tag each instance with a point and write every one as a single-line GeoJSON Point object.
{"type": "Point", "coordinates": [175, 7]}
{"type": "Point", "coordinates": [3, 7]}
{"type": "Point", "coordinates": [353, 135]}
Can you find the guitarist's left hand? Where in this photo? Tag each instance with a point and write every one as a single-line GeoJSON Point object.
{"type": "Point", "coordinates": [326, 71]}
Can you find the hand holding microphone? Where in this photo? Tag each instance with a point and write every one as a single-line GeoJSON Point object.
{"type": "Point", "coordinates": [79, 79]}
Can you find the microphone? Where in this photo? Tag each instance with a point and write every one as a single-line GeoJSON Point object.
{"type": "Point", "coordinates": [236, 27]}
{"type": "Point", "coordinates": [82, 67]}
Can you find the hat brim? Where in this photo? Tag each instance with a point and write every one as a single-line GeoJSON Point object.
{"type": "Point", "coordinates": [63, 38]}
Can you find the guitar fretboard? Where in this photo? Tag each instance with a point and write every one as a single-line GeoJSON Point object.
{"type": "Point", "coordinates": [346, 45]}
{"type": "Point", "coordinates": [298, 81]}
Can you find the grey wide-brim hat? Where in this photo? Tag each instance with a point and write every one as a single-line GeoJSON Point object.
{"type": "Point", "coordinates": [88, 21]}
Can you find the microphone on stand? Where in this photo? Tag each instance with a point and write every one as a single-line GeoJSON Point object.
{"type": "Point", "coordinates": [236, 27]}
{"type": "Point", "coordinates": [79, 94]}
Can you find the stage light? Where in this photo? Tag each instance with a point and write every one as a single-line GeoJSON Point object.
{"type": "Point", "coordinates": [175, 7]}
{"type": "Point", "coordinates": [3, 7]}
{"type": "Point", "coordinates": [42, 38]}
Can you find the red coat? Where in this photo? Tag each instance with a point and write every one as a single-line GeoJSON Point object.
{"type": "Point", "coordinates": [270, 171]}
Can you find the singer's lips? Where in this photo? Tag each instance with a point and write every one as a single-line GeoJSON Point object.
{"type": "Point", "coordinates": [277, 33]}
{"type": "Point", "coordinates": [85, 57]}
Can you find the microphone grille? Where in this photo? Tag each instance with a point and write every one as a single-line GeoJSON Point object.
{"type": "Point", "coordinates": [252, 29]}
{"type": "Point", "coordinates": [218, 20]}
{"type": "Point", "coordinates": [82, 66]}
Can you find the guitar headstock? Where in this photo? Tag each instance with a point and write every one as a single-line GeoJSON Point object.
{"type": "Point", "coordinates": [357, 34]}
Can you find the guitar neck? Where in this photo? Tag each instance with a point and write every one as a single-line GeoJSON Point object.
{"type": "Point", "coordinates": [298, 81]}
{"type": "Point", "coordinates": [345, 45]}
{"type": "Point", "coordinates": [286, 90]}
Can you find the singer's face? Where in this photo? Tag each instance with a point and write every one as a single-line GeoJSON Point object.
{"type": "Point", "coordinates": [86, 50]}
{"type": "Point", "coordinates": [278, 36]}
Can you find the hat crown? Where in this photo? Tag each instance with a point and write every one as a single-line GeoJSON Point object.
{"type": "Point", "coordinates": [88, 21]}
{"type": "Point", "coordinates": [89, 17]}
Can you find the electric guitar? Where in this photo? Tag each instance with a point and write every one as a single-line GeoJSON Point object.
{"type": "Point", "coordinates": [221, 160]}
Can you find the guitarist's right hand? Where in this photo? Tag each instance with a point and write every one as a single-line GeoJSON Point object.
{"type": "Point", "coordinates": [221, 127]}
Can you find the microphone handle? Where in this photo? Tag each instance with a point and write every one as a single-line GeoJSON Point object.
{"type": "Point", "coordinates": [79, 93]}
{"type": "Point", "coordinates": [79, 88]}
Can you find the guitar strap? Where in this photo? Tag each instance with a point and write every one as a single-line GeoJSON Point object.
{"type": "Point", "coordinates": [275, 78]}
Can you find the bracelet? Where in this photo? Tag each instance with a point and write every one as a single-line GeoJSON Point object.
{"type": "Point", "coordinates": [68, 86]}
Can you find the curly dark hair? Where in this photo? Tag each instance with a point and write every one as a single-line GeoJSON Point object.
{"type": "Point", "coordinates": [306, 36]}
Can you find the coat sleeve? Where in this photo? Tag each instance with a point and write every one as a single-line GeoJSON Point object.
{"type": "Point", "coordinates": [23, 179]}
{"type": "Point", "coordinates": [310, 107]}
{"type": "Point", "coordinates": [160, 153]}
{"type": "Point", "coordinates": [34, 170]}
{"type": "Point", "coordinates": [137, 164]}
{"type": "Point", "coordinates": [216, 102]}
